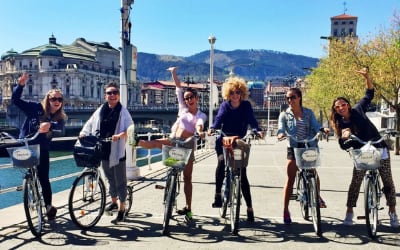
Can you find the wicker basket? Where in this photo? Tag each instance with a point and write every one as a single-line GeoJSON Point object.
{"type": "Point", "coordinates": [307, 158]}
{"type": "Point", "coordinates": [366, 159]}
{"type": "Point", "coordinates": [175, 157]}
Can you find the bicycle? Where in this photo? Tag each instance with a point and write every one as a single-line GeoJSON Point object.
{"type": "Point", "coordinates": [27, 158]}
{"type": "Point", "coordinates": [175, 158]}
{"type": "Point", "coordinates": [87, 198]}
{"type": "Point", "coordinates": [307, 191]}
{"type": "Point", "coordinates": [236, 157]}
{"type": "Point", "coordinates": [368, 159]}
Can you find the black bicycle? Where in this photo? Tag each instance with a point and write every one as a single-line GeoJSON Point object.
{"type": "Point", "coordinates": [307, 191]}
{"type": "Point", "coordinates": [175, 158]}
{"type": "Point", "coordinates": [368, 159]}
{"type": "Point", "coordinates": [236, 157]}
{"type": "Point", "coordinates": [87, 198]}
{"type": "Point", "coordinates": [27, 157]}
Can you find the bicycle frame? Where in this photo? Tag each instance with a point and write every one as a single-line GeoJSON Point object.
{"type": "Point", "coordinates": [368, 159]}
{"type": "Point", "coordinates": [27, 157]}
{"type": "Point", "coordinates": [307, 191]}
{"type": "Point", "coordinates": [236, 157]}
{"type": "Point", "coordinates": [175, 158]}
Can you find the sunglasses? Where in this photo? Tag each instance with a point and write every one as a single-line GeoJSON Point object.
{"type": "Point", "coordinates": [238, 92]}
{"type": "Point", "coordinates": [114, 92]}
{"type": "Point", "coordinates": [337, 107]}
{"type": "Point", "coordinates": [53, 99]}
{"type": "Point", "coordinates": [292, 97]}
{"type": "Point", "coordinates": [188, 98]}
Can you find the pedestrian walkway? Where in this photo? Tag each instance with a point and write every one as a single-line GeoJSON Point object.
{"type": "Point", "coordinates": [266, 171]}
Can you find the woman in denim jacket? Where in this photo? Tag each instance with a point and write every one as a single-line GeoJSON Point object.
{"type": "Point", "coordinates": [298, 122]}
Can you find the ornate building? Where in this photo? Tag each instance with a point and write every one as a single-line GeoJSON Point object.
{"type": "Point", "coordinates": [80, 70]}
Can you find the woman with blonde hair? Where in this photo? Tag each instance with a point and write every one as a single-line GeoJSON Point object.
{"type": "Point", "coordinates": [48, 118]}
{"type": "Point", "coordinates": [234, 116]}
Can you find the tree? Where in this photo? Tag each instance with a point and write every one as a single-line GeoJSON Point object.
{"type": "Point", "coordinates": [335, 76]}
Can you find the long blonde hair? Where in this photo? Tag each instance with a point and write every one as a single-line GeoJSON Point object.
{"type": "Point", "coordinates": [59, 114]}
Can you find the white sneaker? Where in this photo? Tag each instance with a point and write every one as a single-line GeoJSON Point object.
{"type": "Point", "coordinates": [348, 220]}
{"type": "Point", "coordinates": [394, 222]}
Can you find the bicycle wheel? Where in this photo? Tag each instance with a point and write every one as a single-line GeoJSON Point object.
{"type": "Point", "coordinates": [314, 205]}
{"type": "Point", "coordinates": [371, 207]}
{"type": "Point", "coordinates": [225, 191]}
{"type": "Point", "coordinates": [129, 199]}
{"type": "Point", "coordinates": [302, 196]}
{"type": "Point", "coordinates": [235, 204]}
{"type": "Point", "coordinates": [170, 191]}
{"type": "Point", "coordinates": [33, 206]}
{"type": "Point", "coordinates": [87, 200]}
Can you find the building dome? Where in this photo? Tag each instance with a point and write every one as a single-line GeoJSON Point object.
{"type": "Point", "coordinates": [256, 85]}
{"type": "Point", "coordinates": [10, 53]}
{"type": "Point", "coordinates": [50, 50]}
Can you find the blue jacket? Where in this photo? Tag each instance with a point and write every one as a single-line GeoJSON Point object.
{"type": "Point", "coordinates": [287, 124]}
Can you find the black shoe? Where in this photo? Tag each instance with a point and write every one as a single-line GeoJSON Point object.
{"type": "Point", "coordinates": [217, 201]}
{"type": "Point", "coordinates": [51, 213]}
{"type": "Point", "coordinates": [120, 216]}
{"type": "Point", "coordinates": [250, 216]}
{"type": "Point", "coordinates": [112, 207]}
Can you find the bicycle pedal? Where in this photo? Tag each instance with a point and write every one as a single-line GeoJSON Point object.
{"type": "Point", "coordinates": [381, 208]}
{"type": "Point", "coordinates": [159, 187]}
{"type": "Point", "coordinates": [293, 197]}
{"type": "Point", "coordinates": [361, 217]}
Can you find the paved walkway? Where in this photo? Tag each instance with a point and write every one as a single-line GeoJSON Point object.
{"type": "Point", "coordinates": [142, 228]}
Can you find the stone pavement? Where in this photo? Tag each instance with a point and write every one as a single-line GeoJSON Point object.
{"type": "Point", "coordinates": [266, 171]}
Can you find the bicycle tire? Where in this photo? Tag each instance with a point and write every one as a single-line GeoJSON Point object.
{"type": "Point", "coordinates": [87, 200]}
{"type": "Point", "coordinates": [302, 196]}
{"type": "Point", "coordinates": [314, 205]}
{"type": "Point", "coordinates": [225, 192]}
{"type": "Point", "coordinates": [371, 207]}
{"type": "Point", "coordinates": [33, 206]}
{"type": "Point", "coordinates": [235, 204]}
{"type": "Point", "coordinates": [129, 199]}
{"type": "Point", "coordinates": [170, 190]}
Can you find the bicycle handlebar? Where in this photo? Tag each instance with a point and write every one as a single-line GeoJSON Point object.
{"type": "Point", "coordinates": [355, 138]}
{"type": "Point", "coordinates": [315, 138]}
{"type": "Point", "coordinates": [26, 139]}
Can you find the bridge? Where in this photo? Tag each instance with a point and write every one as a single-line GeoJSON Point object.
{"type": "Point", "coordinates": [166, 115]}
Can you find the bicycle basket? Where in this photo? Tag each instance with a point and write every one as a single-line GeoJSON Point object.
{"type": "Point", "coordinates": [366, 158]}
{"type": "Point", "coordinates": [237, 156]}
{"type": "Point", "coordinates": [307, 157]}
{"type": "Point", "coordinates": [25, 156]}
{"type": "Point", "coordinates": [175, 157]}
{"type": "Point", "coordinates": [87, 152]}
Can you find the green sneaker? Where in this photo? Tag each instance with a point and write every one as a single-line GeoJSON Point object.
{"type": "Point", "coordinates": [189, 216]}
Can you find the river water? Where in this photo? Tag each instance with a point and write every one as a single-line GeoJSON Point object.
{"type": "Point", "coordinates": [11, 177]}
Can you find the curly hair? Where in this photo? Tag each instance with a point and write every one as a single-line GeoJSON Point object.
{"type": "Point", "coordinates": [232, 84]}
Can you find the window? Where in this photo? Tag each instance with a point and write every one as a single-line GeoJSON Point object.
{"type": "Point", "coordinates": [335, 23]}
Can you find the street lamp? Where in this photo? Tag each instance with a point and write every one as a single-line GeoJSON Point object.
{"type": "Point", "coordinates": [269, 107]}
{"type": "Point", "coordinates": [211, 40]}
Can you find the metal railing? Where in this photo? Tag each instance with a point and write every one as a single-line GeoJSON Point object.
{"type": "Point", "coordinates": [203, 148]}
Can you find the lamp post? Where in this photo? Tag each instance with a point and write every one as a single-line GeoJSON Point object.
{"type": "Point", "coordinates": [269, 107]}
{"type": "Point", "coordinates": [211, 40]}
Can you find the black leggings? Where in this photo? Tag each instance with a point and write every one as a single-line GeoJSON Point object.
{"type": "Point", "coordinates": [43, 174]}
{"type": "Point", "coordinates": [219, 179]}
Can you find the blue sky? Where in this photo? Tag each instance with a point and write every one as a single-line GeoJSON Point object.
{"type": "Point", "coordinates": [182, 27]}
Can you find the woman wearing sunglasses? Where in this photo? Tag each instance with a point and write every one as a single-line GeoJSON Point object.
{"type": "Point", "coordinates": [300, 122]}
{"type": "Point", "coordinates": [347, 120]}
{"type": "Point", "coordinates": [190, 121]}
{"type": "Point", "coordinates": [49, 118]}
{"type": "Point", "coordinates": [234, 116]}
{"type": "Point", "coordinates": [112, 119]}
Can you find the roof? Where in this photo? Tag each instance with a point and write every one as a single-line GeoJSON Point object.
{"type": "Point", "coordinates": [344, 16]}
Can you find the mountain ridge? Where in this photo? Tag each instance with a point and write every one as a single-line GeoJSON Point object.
{"type": "Point", "coordinates": [253, 65]}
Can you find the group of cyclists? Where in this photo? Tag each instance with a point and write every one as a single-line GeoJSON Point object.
{"type": "Point", "coordinates": [234, 117]}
